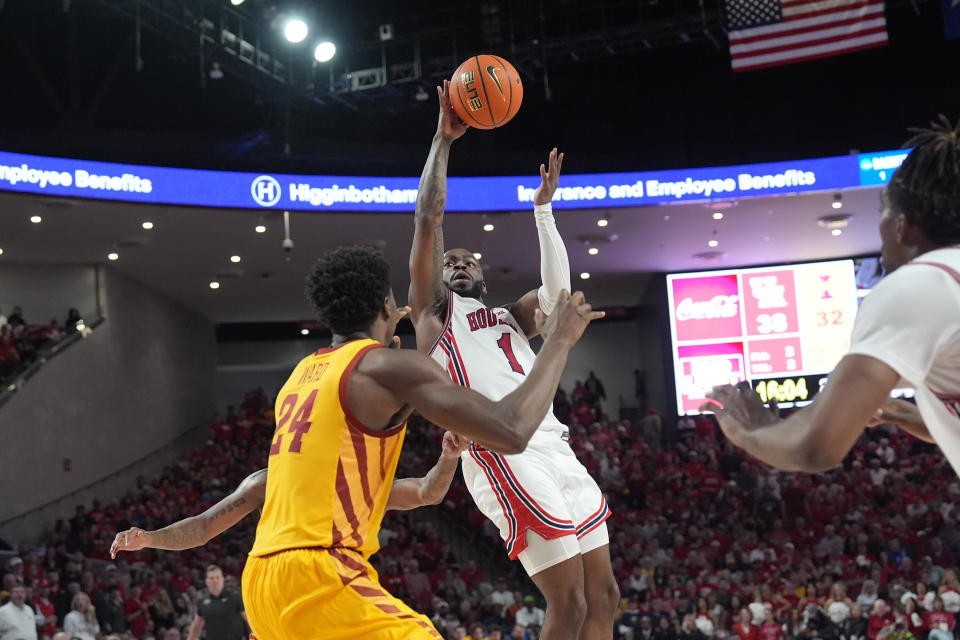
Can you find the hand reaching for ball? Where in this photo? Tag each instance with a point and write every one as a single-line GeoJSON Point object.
{"type": "Point", "coordinates": [450, 127]}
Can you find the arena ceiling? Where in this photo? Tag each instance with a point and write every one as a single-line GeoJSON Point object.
{"type": "Point", "coordinates": [619, 85]}
{"type": "Point", "coordinates": [188, 248]}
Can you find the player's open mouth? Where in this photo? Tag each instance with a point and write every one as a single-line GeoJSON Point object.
{"type": "Point", "coordinates": [461, 276]}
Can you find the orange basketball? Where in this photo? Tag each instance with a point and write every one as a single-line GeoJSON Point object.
{"type": "Point", "coordinates": [486, 91]}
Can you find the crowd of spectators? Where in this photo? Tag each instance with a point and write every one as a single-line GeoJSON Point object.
{"type": "Point", "coordinates": [705, 542]}
{"type": "Point", "coordinates": [22, 342]}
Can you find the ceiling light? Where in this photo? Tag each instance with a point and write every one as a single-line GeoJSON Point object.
{"type": "Point", "coordinates": [325, 52]}
{"type": "Point", "coordinates": [216, 73]}
{"type": "Point", "coordinates": [304, 332]}
{"type": "Point", "coordinates": [421, 95]}
{"type": "Point", "coordinates": [1, 252]}
{"type": "Point", "coordinates": [834, 220]}
{"type": "Point", "coordinates": [236, 3]}
{"type": "Point", "coordinates": [712, 243]}
{"type": "Point", "coordinates": [593, 251]}
{"type": "Point", "coordinates": [837, 201]}
{"type": "Point", "coordinates": [113, 256]}
{"type": "Point", "coordinates": [837, 232]}
{"type": "Point", "coordinates": [488, 227]}
{"type": "Point", "coordinates": [584, 275]}
{"type": "Point", "coordinates": [717, 215]}
{"type": "Point", "coordinates": [36, 219]}
{"type": "Point", "coordinates": [602, 222]}
{"type": "Point", "coordinates": [148, 225]}
{"type": "Point", "coordinates": [214, 284]}
{"type": "Point", "coordinates": [260, 228]}
{"type": "Point", "coordinates": [477, 255]}
{"type": "Point", "coordinates": [295, 30]}
{"type": "Point", "coordinates": [234, 259]}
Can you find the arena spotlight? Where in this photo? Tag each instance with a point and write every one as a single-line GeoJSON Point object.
{"type": "Point", "coordinates": [36, 219]}
{"type": "Point", "coordinates": [295, 30]}
{"type": "Point", "coordinates": [1, 251]}
{"type": "Point", "coordinates": [584, 276]}
{"type": "Point", "coordinates": [837, 232]}
{"type": "Point", "coordinates": [260, 228]}
{"type": "Point", "coordinates": [147, 225]}
{"type": "Point", "coordinates": [602, 222]}
{"type": "Point", "coordinates": [488, 227]}
{"type": "Point", "coordinates": [113, 256]}
{"type": "Point", "coordinates": [837, 201]}
{"type": "Point", "coordinates": [717, 215]}
{"type": "Point", "coordinates": [304, 332]}
{"type": "Point", "coordinates": [236, 3]}
{"type": "Point", "coordinates": [234, 259]}
{"type": "Point", "coordinates": [712, 243]}
{"type": "Point", "coordinates": [476, 254]}
{"type": "Point", "coordinates": [593, 251]}
{"type": "Point", "coordinates": [214, 284]}
{"type": "Point", "coordinates": [325, 51]}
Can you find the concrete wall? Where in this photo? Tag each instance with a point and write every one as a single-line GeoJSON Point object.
{"type": "Point", "coordinates": [145, 377]}
{"type": "Point", "coordinates": [48, 291]}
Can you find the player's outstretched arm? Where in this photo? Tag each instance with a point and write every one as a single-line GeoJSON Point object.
{"type": "Point", "coordinates": [554, 263]}
{"type": "Point", "coordinates": [818, 437]}
{"type": "Point", "coordinates": [198, 530]}
{"type": "Point", "coordinates": [410, 493]}
{"type": "Point", "coordinates": [427, 291]}
{"type": "Point", "coordinates": [505, 426]}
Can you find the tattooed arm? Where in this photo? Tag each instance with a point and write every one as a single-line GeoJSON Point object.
{"type": "Point", "coordinates": [427, 291]}
{"type": "Point", "coordinates": [198, 530]}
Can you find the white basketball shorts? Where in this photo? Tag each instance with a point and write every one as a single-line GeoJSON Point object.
{"type": "Point", "coordinates": [544, 491]}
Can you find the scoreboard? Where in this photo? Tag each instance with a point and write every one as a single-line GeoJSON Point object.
{"type": "Point", "coordinates": [782, 329]}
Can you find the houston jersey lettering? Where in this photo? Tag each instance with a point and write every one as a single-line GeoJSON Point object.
{"type": "Point", "coordinates": [484, 348]}
{"type": "Point", "coordinates": [329, 476]}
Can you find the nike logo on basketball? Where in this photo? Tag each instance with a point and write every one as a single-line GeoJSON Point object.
{"type": "Point", "coordinates": [492, 72]}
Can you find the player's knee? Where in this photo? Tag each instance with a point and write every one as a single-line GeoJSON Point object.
{"type": "Point", "coordinates": [569, 604]}
{"type": "Point", "coordinates": [603, 600]}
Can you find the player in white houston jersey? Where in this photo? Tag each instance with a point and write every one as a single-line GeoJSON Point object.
{"type": "Point", "coordinates": [907, 332]}
{"type": "Point", "coordinates": [550, 512]}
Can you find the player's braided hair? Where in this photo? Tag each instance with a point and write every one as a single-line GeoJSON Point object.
{"type": "Point", "coordinates": [926, 187]}
{"type": "Point", "coordinates": [347, 287]}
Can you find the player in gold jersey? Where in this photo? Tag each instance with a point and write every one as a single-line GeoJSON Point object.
{"type": "Point", "coordinates": [198, 530]}
{"type": "Point", "coordinates": [340, 425]}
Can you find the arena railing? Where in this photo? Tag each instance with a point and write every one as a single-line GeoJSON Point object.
{"type": "Point", "coordinates": [16, 380]}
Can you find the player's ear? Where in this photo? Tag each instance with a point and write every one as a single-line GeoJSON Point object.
{"type": "Point", "coordinates": [389, 307]}
{"type": "Point", "coordinates": [483, 287]}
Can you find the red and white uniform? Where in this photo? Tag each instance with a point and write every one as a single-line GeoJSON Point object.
{"type": "Point", "coordinates": [911, 322]}
{"type": "Point", "coordinates": [545, 489]}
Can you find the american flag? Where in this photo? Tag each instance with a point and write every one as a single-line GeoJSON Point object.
{"type": "Point", "coordinates": [767, 33]}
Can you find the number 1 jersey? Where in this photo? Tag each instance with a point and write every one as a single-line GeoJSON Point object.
{"type": "Point", "coordinates": [484, 348]}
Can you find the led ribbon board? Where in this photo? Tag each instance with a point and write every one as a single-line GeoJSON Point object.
{"type": "Point", "coordinates": [235, 190]}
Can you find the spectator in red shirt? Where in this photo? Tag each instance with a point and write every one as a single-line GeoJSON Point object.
{"type": "Point", "coordinates": [940, 623]}
{"type": "Point", "coordinates": [138, 613]}
{"type": "Point", "coordinates": [771, 629]}
{"type": "Point", "coordinates": [744, 628]}
{"type": "Point", "coordinates": [44, 607]}
{"type": "Point", "coordinates": [881, 617]}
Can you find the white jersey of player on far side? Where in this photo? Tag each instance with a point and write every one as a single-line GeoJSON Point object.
{"type": "Point", "coordinates": [485, 349]}
{"type": "Point", "coordinates": [911, 322]}
{"type": "Point", "coordinates": [545, 490]}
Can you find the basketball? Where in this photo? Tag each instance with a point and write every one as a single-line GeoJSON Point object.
{"type": "Point", "coordinates": [486, 91]}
